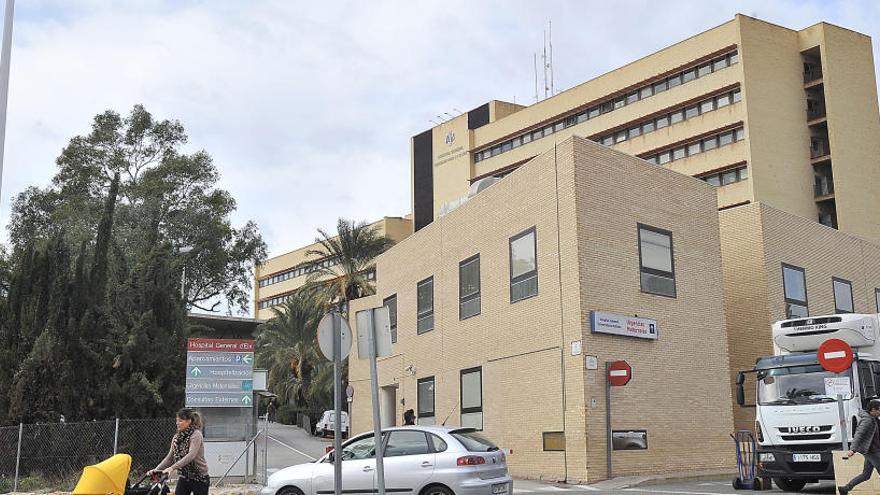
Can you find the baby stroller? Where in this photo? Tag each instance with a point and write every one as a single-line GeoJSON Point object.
{"type": "Point", "coordinates": [110, 477]}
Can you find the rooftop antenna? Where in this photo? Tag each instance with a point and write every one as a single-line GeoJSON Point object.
{"type": "Point", "coordinates": [457, 110]}
{"type": "Point", "coordinates": [544, 63]}
{"type": "Point", "coordinates": [550, 39]}
{"type": "Point", "coordinates": [433, 122]}
{"type": "Point", "coordinates": [450, 115]}
{"type": "Point", "coordinates": [535, 61]}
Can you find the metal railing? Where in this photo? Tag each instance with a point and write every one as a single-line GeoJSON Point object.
{"type": "Point", "coordinates": [52, 455]}
{"type": "Point", "coordinates": [824, 187]}
{"type": "Point", "coordinates": [812, 74]}
{"type": "Point", "coordinates": [819, 147]}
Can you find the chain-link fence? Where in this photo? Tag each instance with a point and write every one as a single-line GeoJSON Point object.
{"type": "Point", "coordinates": [53, 455]}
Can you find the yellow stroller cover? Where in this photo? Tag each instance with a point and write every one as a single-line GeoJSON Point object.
{"type": "Point", "coordinates": [108, 477]}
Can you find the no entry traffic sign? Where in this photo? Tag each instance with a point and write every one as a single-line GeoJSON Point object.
{"type": "Point", "coordinates": [835, 355]}
{"type": "Point", "coordinates": [619, 373]}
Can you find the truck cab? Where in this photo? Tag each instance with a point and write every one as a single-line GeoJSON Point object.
{"type": "Point", "coordinates": [797, 423]}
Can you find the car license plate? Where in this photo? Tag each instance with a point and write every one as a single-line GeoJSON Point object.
{"type": "Point", "coordinates": [807, 457]}
{"type": "Point", "coordinates": [499, 488]}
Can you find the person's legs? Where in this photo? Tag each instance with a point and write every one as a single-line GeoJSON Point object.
{"type": "Point", "coordinates": [864, 476]}
{"type": "Point", "coordinates": [184, 487]}
{"type": "Point", "coordinates": [199, 487]}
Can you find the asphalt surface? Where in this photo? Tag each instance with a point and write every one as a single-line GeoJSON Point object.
{"type": "Point", "coordinates": [289, 445]}
{"type": "Point", "coordinates": [678, 487]}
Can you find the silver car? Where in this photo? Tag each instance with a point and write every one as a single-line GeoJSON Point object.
{"type": "Point", "coordinates": [419, 460]}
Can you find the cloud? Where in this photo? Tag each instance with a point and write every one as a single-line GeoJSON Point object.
{"type": "Point", "coordinates": [308, 107]}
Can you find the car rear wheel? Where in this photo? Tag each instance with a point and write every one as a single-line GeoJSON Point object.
{"type": "Point", "coordinates": [437, 490]}
{"type": "Point", "coordinates": [290, 490]}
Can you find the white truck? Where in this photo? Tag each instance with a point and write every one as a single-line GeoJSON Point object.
{"type": "Point", "coordinates": [796, 422]}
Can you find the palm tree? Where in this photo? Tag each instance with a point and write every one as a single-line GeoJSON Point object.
{"type": "Point", "coordinates": [352, 254]}
{"type": "Point", "coordinates": [286, 347]}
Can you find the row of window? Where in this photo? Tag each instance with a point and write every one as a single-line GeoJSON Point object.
{"type": "Point", "coordinates": [523, 284]}
{"type": "Point", "coordinates": [698, 146]}
{"type": "Point", "coordinates": [652, 88]}
{"type": "Point", "coordinates": [656, 268]}
{"type": "Point", "coordinates": [298, 271]}
{"type": "Point", "coordinates": [727, 176]}
{"type": "Point", "coordinates": [794, 286]}
{"type": "Point", "coordinates": [674, 117]}
{"type": "Point", "coordinates": [471, 399]}
{"type": "Point", "coordinates": [282, 298]}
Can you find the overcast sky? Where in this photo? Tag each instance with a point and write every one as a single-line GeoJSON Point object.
{"type": "Point", "coordinates": [308, 107]}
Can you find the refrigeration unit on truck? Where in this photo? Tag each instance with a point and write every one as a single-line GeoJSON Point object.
{"type": "Point", "coordinates": [797, 424]}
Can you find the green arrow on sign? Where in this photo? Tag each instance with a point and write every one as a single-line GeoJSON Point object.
{"type": "Point", "coordinates": [246, 400]}
{"type": "Point", "coordinates": [196, 372]}
{"type": "Point", "coordinates": [247, 358]}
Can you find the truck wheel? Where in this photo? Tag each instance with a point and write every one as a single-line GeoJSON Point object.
{"type": "Point", "coordinates": [789, 485]}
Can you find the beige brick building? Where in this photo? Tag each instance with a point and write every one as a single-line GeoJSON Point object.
{"type": "Point", "coordinates": [766, 113]}
{"type": "Point", "coordinates": [492, 306]}
{"type": "Point", "coordinates": [282, 275]}
{"type": "Point", "coordinates": [776, 264]}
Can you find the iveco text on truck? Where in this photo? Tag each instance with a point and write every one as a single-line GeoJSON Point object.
{"type": "Point", "coordinates": [797, 424]}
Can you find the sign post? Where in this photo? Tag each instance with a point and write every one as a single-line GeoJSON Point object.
{"type": "Point", "coordinates": [334, 339]}
{"type": "Point", "coordinates": [836, 356]}
{"type": "Point", "coordinates": [219, 373]}
{"type": "Point", "coordinates": [374, 340]}
{"type": "Point", "coordinates": [617, 374]}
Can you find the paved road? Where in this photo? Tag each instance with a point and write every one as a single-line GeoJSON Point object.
{"type": "Point", "coordinates": [688, 487]}
{"type": "Point", "coordinates": [289, 445]}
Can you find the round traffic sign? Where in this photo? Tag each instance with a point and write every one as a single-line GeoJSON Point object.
{"type": "Point", "coordinates": [349, 391]}
{"type": "Point", "coordinates": [835, 355]}
{"type": "Point", "coordinates": [619, 373]}
{"type": "Point", "coordinates": [325, 336]}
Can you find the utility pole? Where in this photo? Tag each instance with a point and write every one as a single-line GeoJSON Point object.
{"type": "Point", "coordinates": [5, 54]}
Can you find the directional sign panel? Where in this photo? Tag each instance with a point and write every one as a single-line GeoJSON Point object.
{"type": "Point", "coordinates": [219, 399]}
{"type": "Point", "coordinates": [220, 358]}
{"type": "Point", "coordinates": [219, 373]}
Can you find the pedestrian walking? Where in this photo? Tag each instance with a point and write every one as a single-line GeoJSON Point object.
{"type": "Point", "coordinates": [270, 411]}
{"type": "Point", "coordinates": [409, 417]}
{"type": "Point", "coordinates": [866, 441]}
{"type": "Point", "coordinates": [187, 455]}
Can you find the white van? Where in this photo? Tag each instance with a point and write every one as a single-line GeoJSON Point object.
{"type": "Point", "coordinates": [327, 424]}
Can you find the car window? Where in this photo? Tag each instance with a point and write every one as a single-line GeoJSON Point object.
{"type": "Point", "coordinates": [438, 443]}
{"type": "Point", "coordinates": [402, 442]}
{"type": "Point", "coordinates": [473, 441]}
{"type": "Point", "coordinates": [365, 448]}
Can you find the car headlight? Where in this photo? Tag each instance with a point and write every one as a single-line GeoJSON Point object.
{"type": "Point", "coordinates": [766, 457]}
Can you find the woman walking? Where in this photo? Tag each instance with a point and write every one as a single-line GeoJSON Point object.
{"type": "Point", "coordinates": [187, 455]}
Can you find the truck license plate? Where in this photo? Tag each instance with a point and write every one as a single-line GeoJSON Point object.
{"type": "Point", "coordinates": [499, 488]}
{"type": "Point", "coordinates": [807, 457]}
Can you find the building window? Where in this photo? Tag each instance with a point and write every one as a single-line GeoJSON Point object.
{"type": "Point", "coordinates": [469, 287]}
{"type": "Point", "coordinates": [877, 299]}
{"type": "Point", "coordinates": [843, 297]}
{"type": "Point", "coordinates": [645, 91]}
{"type": "Point", "coordinates": [472, 398]}
{"type": "Point", "coordinates": [794, 285]}
{"type": "Point", "coordinates": [709, 143]}
{"type": "Point", "coordinates": [728, 176]}
{"type": "Point", "coordinates": [656, 261]}
{"type": "Point", "coordinates": [425, 401]}
{"type": "Point", "coordinates": [425, 305]}
{"type": "Point", "coordinates": [523, 265]}
{"type": "Point", "coordinates": [391, 303]}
